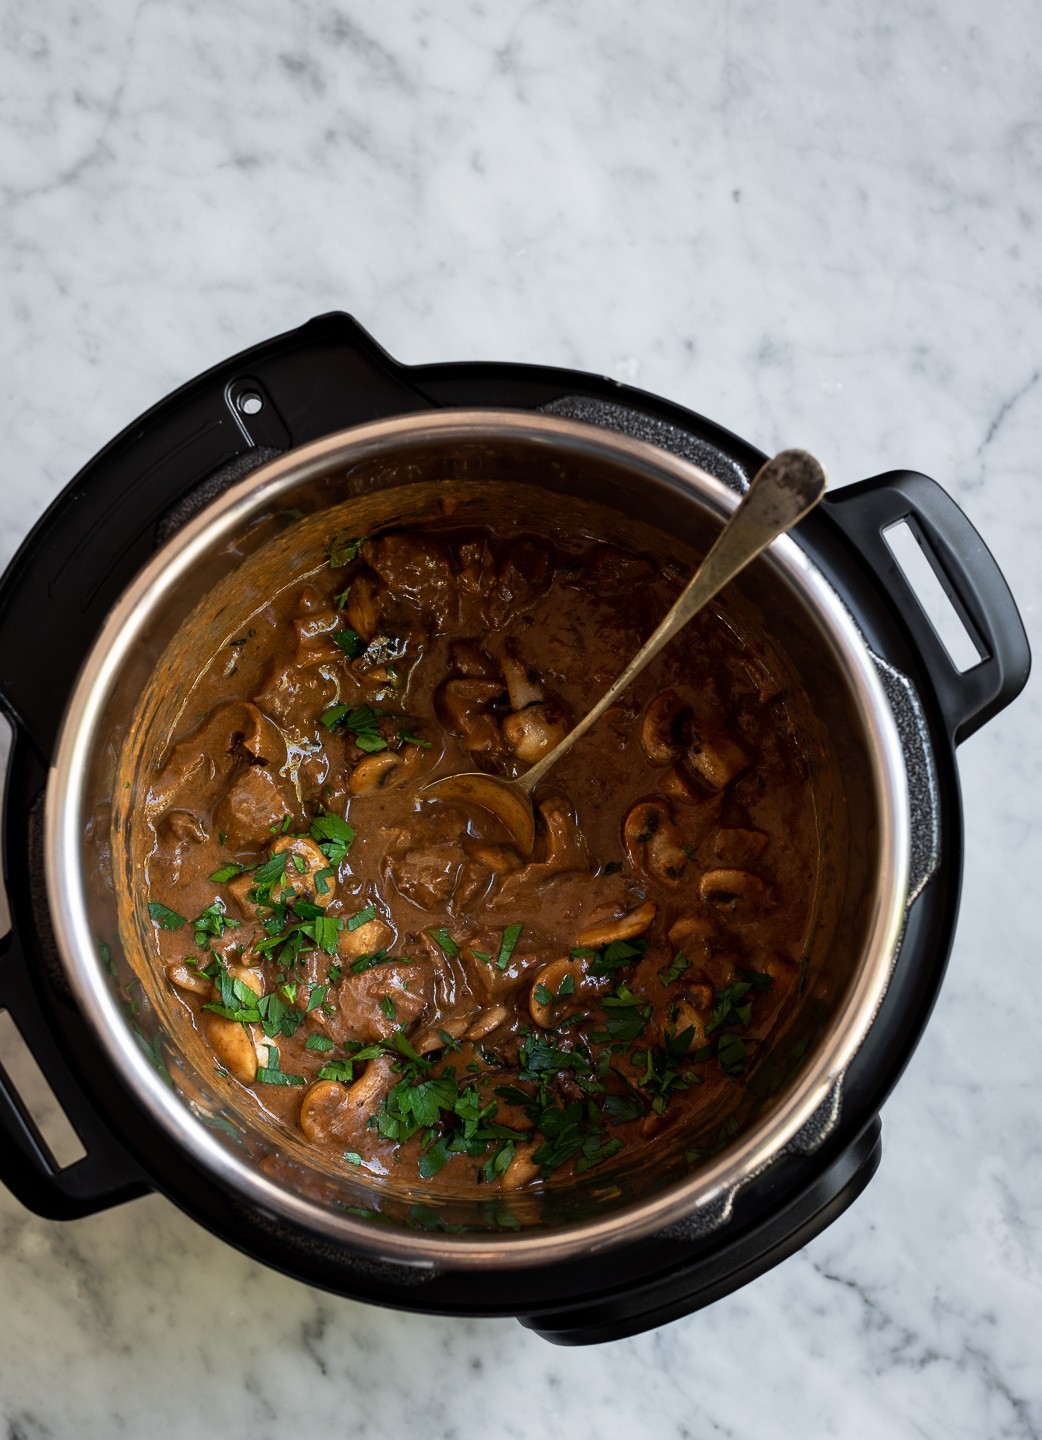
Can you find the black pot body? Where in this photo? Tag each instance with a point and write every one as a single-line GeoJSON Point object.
{"type": "Point", "coordinates": [324, 377]}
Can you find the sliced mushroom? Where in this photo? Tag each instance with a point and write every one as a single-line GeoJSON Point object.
{"type": "Point", "coordinates": [523, 685]}
{"type": "Point", "coordinates": [321, 1105]}
{"type": "Point", "coordinates": [454, 1026]}
{"type": "Point", "coordinates": [544, 1012]}
{"type": "Point", "coordinates": [252, 979]}
{"type": "Point", "coordinates": [304, 862]}
{"type": "Point", "coordinates": [186, 977]}
{"type": "Point", "coordinates": [691, 930]}
{"type": "Point", "coordinates": [660, 728]}
{"type": "Point", "coordinates": [725, 887]}
{"type": "Point", "coordinates": [367, 939]}
{"type": "Point", "coordinates": [385, 769]}
{"type": "Point", "coordinates": [677, 784]}
{"type": "Point", "coordinates": [624, 927]}
{"type": "Point", "coordinates": [372, 1085]}
{"type": "Point", "coordinates": [561, 845]}
{"type": "Point", "coordinates": [653, 844]}
{"type": "Point", "coordinates": [522, 1169]}
{"type": "Point", "coordinates": [716, 757]}
{"type": "Point", "coordinates": [487, 1021]}
{"type": "Point", "coordinates": [534, 731]}
{"type": "Point", "coordinates": [233, 1044]}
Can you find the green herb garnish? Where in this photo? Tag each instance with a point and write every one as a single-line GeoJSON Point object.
{"type": "Point", "coordinates": [349, 641]}
{"type": "Point", "coordinates": [678, 966]}
{"type": "Point", "coordinates": [511, 935]}
{"type": "Point", "coordinates": [273, 1074]}
{"type": "Point", "coordinates": [343, 548]}
{"type": "Point", "coordinates": [166, 918]}
{"type": "Point", "coordinates": [444, 942]}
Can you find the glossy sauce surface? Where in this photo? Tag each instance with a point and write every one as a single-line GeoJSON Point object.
{"type": "Point", "coordinates": [383, 971]}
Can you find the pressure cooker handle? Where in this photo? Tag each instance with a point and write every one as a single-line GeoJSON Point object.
{"type": "Point", "coordinates": [106, 1174]}
{"type": "Point", "coordinates": [970, 577]}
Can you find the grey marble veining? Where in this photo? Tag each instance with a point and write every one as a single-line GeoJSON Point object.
{"type": "Point", "coordinates": [817, 225]}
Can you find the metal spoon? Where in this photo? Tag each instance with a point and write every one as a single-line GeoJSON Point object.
{"type": "Point", "coordinates": [781, 493]}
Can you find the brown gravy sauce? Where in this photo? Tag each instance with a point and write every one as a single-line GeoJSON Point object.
{"type": "Point", "coordinates": [382, 973]}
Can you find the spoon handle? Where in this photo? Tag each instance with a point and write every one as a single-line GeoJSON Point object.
{"type": "Point", "coordinates": [781, 493]}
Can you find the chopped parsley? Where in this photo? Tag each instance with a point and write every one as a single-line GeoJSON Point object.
{"type": "Point", "coordinates": [343, 548]}
{"type": "Point", "coordinates": [444, 942]}
{"type": "Point", "coordinates": [342, 1071]}
{"type": "Point", "coordinates": [679, 966]}
{"type": "Point", "coordinates": [212, 922]}
{"type": "Point", "coordinates": [361, 721]}
{"type": "Point", "coordinates": [333, 836]}
{"type": "Point", "coordinates": [362, 917]}
{"type": "Point", "coordinates": [227, 872]}
{"type": "Point", "coordinates": [273, 1074]}
{"type": "Point", "coordinates": [349, 641]}
{"type": "Point", "coordinates": [166, 918]}
{"type": "Point", "coordinates": [615, 955]}
{"type": "Point", "coordinates": [511, 935]}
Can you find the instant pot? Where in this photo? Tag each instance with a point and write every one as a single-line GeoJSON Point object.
{"type": "Point", "coordinates": [85, 610]}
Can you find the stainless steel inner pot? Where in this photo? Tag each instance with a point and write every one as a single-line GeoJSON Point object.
{"type": "Point", "coordinates": [398, 469]}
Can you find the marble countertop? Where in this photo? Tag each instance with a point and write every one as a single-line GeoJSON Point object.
{"type": "Point", "coordinates": [818, 225]}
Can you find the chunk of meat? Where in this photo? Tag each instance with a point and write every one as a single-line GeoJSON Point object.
{"type": "Point", "coordinates": [252, 806]}
{"type": "Point", "coordinates": [387, 997]}
{"type": "Point", "coordinates": [228, 736]}
{"type": "Point", "coordinates": [462, 706]}
{"type": "Point", "coordinates": [416, 568]}
{"type": "Point", "coordinates": [427, 874]}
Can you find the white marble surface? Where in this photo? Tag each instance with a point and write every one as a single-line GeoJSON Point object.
{"type": "Point", "coordinates": [817, 224]}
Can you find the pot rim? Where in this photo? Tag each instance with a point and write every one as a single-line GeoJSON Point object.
{"type": "Point", "coordinates": [711, 1189]}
